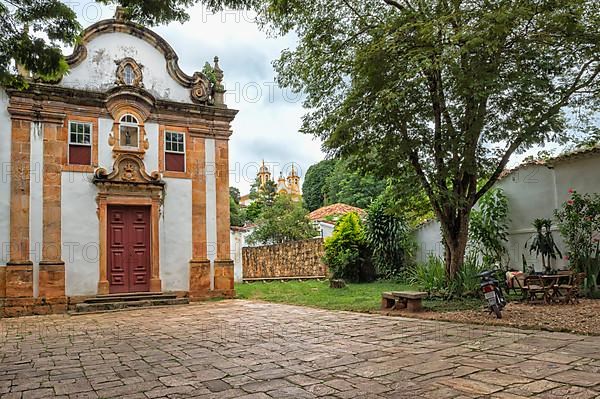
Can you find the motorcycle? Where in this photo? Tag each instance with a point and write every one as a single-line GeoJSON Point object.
{"type": "Point", "coordinates": [492, 292]}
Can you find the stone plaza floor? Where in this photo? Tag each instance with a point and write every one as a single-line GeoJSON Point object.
{"type": "Point", "coordinates": [242, 349]}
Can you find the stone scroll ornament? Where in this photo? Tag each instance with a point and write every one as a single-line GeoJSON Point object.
{"type": "Point", "coordinates": [201, 91]}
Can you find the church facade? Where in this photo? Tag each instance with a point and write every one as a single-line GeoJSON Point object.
{"type": "Point", "coordinates": [115, 179]}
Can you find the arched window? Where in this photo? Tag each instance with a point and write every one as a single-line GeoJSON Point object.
{"type": "Point", "coordinates": [128, 75]}
{"type": "Point", "coordinates": [129, 131]}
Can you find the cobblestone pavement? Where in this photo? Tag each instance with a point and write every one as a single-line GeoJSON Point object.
{"type": "Point", "coordinates": [241, 349]}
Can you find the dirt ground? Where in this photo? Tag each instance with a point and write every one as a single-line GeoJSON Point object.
{"type": "Point", "coordinates": [582, 318]}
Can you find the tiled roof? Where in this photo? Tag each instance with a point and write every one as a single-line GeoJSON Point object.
{"type": "Point", "coordinates": [565, 156]}
{"type": "Point", "coordinates": [331, 211]}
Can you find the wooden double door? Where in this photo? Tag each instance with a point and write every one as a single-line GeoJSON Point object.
{"type": "Point", "coordinates": [128, 249]}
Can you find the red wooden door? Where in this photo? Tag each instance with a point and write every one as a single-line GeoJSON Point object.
{"type": "Point", "coordinates": [128, 249]}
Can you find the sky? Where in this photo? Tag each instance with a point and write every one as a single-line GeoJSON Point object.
{"type": "Point", "coordinates": [269, 117]}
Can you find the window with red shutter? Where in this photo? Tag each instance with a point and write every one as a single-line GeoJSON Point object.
{"type": "Point", "coordinates": [174, 151]}
{"type": "Point", "coordinates": [80, 143]}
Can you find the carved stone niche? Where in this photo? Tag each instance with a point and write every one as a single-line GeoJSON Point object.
{"type": "Point", "coordinates": [129, 73]}
{"type": "Point", "coordinates": [128, 169]}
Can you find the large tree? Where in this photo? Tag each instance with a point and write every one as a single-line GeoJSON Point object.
{"type": "Point", "coordinates": [285, 220]}
{"type": "Point", "coordinates": [314, 183]}
{"type": "Point", "coordinates": [450, 88]}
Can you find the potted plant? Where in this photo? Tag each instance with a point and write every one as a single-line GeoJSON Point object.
{"type": "Point", "coordinates": [542, 242]}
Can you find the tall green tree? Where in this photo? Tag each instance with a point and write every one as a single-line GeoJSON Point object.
{"type": "Point", "coordinates": [451, 89]}
{"type": "Point", "coordinates": [349, 185]}
{"type": "Point", "coordinates": [285, 220]}
{"type": "Point", "coordinates": [314, 183]}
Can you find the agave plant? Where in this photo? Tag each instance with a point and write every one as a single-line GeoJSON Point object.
{"type": "Point", "coordinates": [542, 242]}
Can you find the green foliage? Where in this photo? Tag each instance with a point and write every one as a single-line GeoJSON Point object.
{"type": "Point", "coordinates": [348, 185]}
{"type": "Point", "coordinates": [285, 220]}
{"type": "Point", "coordinates": [466, 283]}
{"type": "Point", "coordinates": [407, 200]}
{"type": "Point", "coordinates": [448, 89]}
{"type": "Point", "coordinates": [237, 216]}
{"type": "Point", "coordinates": [579, 223]}
{"type": "Point", "coordinates": [23, 25]}
{"type": "Point", "coordinates": [431, 276]}
{"type": "Point", "coordinates": [389, 239]}
{"type": "Point", "coordinates": [542, 242]}
{"type": "Point", "coordinates": [346, 252]}
{"type": "Point", "coordinates": [314, 183]}
{"type": "Point", "coordinates": [263, 198]}
{"type": "Point", "coordinates": [488, 227]}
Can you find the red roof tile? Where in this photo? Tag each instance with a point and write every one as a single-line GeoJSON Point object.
{"type": "Point", "coordinates": [331, 211]}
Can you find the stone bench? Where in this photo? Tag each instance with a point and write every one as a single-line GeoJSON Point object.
{"type": "Point", "coordinates": [411, 300]}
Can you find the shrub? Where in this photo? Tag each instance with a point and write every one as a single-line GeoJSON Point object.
{"type": "Point", "coordinates": [346, 252]}
{"type": "Point", "coordinates": [579, 223]}
{"type": "Point", "coordinates": [466, 283]}
{"type": "Point", "coordinates": [488, 227]}
{"type": "Point", "coordinates": [430, 276]}
{"type": "Point", "coordinates": [389, 238]}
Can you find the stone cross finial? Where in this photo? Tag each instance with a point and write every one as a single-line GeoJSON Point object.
{"type": "Point", "coordinates": [120, 13]}
{"type": "Point", "coordinates": [219, 89]}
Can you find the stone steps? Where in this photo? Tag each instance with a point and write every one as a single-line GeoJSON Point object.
{"type": "Point", "coordinates": [109, 303]}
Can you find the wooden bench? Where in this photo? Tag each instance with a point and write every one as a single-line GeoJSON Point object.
{"type": "Point", "coordinates": [411, 300]}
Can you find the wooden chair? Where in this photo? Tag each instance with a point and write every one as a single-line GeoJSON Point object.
{"type": "Point", "coordinates": [518, 282]}
{"type": "Point", "coordinates": [563, 284]}
{"type": "Point", "coordinates": [572, 290]}
{"type": "Point", "coordinates": [534, 286]}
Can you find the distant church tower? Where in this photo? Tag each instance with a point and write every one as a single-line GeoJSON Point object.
{"type": "Point", "coordinates": [263, 174]}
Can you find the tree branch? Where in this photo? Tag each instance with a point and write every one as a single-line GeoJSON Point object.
{"type": "Point", "coordinates": [552, 111]}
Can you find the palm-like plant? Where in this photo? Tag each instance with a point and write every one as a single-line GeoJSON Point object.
{"type": "Point", "coordinates": [542, 242]}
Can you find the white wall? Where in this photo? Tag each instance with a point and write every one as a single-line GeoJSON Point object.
{"type": "Point", "coordinates": [98, 70]}
{"type": "Point", "coordinates": [176, 235]}
{"type": "Point", "coordinates": [5, 173]}
{"type": "Point", "coordinates": [236, 243]}
{"type": "Point", "coordinates": [105, 154]}
{"type": "Point", "coordinates": [533, 191]}
{"type": "Point", "coordinates": [429, 238]}
{"type": "Point", "coordinates": [151, 156]}
{"type": "Point", "coordinates": [80, 234]}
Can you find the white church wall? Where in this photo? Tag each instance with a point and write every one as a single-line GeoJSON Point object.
{"type": "Point", "coordinates": [98, 70]}
{"type": "Point", "coordinates": [151, 156]}
{"type": "Point", "coordinates": [80, 234]}
{"type": "Point", "coordinates": [105, 154]}
{"type": "Point", "coordinates": [5, 170]}
{"type": "Point", "coordinates": [176, 235]}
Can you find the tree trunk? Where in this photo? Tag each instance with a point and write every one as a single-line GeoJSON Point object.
{"type": "Point", "coordinates": [455, 234]}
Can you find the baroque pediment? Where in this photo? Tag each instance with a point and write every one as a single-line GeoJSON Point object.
{"type": "Point", "coordinates": [128, 169]}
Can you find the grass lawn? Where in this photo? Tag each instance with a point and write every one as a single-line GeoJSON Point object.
{"type": "Point", "coordinates": [354, 297]}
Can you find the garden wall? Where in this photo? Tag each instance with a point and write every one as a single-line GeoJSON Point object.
{"type": "Point", "coordinates": [533, 191]}
{"type": "Point", "coordinates": [288, 260]}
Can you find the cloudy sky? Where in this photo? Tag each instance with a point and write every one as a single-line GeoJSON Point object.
{"type": "Point", "coordinates": [267, 125]}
